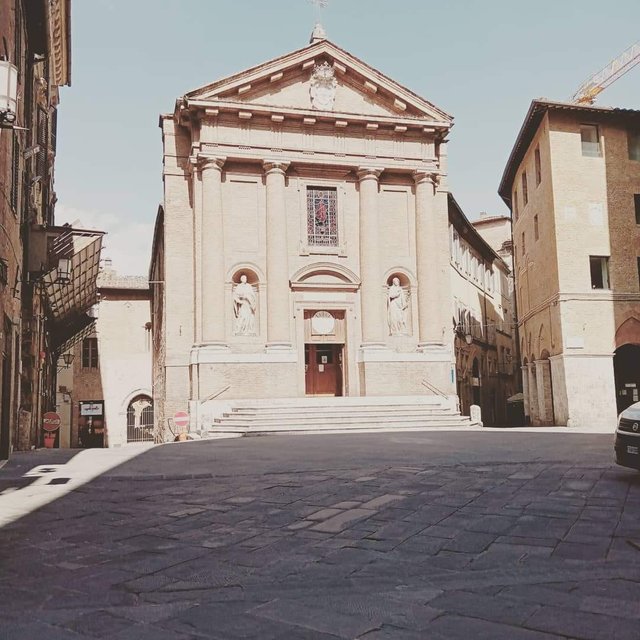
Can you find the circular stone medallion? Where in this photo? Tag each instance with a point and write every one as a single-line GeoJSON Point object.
{"type": "Point", "coordinates": [323, 323]}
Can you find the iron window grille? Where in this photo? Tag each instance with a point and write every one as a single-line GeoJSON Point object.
{"type": "Point", "coordinates": [322, 221]}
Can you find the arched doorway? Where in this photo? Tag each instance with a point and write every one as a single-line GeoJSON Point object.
{"type": "Point", "coordinates": [626, 369]}
{"type": "Point", "coordinates": [140, 420]}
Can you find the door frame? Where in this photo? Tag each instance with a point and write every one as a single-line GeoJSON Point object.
{"type": "Point", "coordinates": [325, 301]}
{"type": "Point", "coordinates": [338, 353]}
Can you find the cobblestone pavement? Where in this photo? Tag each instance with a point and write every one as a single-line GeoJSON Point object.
{"type": "Point", "coordinates": [405, 536]}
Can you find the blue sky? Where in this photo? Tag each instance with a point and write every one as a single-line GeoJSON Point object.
{"type": "Point", "coordinates": [481, 61]}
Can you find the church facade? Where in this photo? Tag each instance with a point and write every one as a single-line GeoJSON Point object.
{"type": "Point", "coordinates": [302, 246]}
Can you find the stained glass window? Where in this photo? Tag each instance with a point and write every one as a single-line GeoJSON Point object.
{"type": "Point", "coordinates": [322, 223]}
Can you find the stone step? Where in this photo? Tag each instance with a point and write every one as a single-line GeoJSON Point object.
{"type": "Point", "coordinates": [343, 401]}
{"type": "Point", "coordinates": [303, 429]}
{"type": "Point", "coordinates": [369, 418]}
{"type": "Point", "coordinates": [281, 411]}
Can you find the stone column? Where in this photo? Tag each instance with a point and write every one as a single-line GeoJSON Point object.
{"type": "Point", "coordinates": [545, 399]}
{"type": "Point", "coordinates": [278, 308]}
{"type": "Point", "coordinates": [432, 256]}
{"type": "Point", "coordinates": [212, 253]}
{"type": "Point", "coordinates": [525, 392]}
{"type": "Point", "coordinates": [371, 289]}
{"type": "Point", "coordinates": [533, 394]}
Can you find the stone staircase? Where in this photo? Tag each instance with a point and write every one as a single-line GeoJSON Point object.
{"type": "Point", "coordinates": [336, 415]}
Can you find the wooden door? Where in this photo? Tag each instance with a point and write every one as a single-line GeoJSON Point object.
{"type": "Point", "coordinates": [323, 369]}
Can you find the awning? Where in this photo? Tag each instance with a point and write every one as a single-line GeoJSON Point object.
{"type": "Point", "coordinates": [67, 345]}
{"type": "Point", "coordinates": [69, 302]}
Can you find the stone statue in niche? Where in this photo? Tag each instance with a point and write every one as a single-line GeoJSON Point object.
{"type": "Point", "coordinates": [323, 87]}
{"type": "Point", "coordinates": [397, 309]}
{"type": "Point", "coordinates": [244, 308]}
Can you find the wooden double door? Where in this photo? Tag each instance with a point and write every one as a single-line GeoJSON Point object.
{"type": "Point", "coordinates": [323, 369]}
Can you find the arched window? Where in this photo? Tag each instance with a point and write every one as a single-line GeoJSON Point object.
{"type": "Point", "coordinates": [140, 420]}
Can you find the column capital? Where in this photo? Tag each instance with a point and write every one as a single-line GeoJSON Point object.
{"type": "Point", "coordinates": [204, 161]}
{"type": "Point", "coordinates": [422, 177]}
{"type": "Point", "coordinates": [368, 173]}
{"type": "Point", "coordinates": [275, 166]}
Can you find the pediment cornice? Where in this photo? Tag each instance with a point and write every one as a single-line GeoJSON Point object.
{"type": "Point", "coordinates": [281, 114]}
{"type": "Point", "coordinates": [398, 99]}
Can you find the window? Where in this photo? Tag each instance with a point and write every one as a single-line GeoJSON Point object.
{"type": "Point", "coordinates": [90, 353]}
{"type": "Point", "coordinates": [515, 204]}
{"type": "Point", "coordinates": [535, 227]}
{"type": "Point", "coordinates": [42, 137]}
{"type": "Point", "coordinates": [525, 192]}
{"type": "Point", "coordinates": [536, 154]}
{"type": "Point", "coordinates": [523, 245]}
{"type": "Point", "coordinates": [636, 202]}
{"type": "Point", "coordinates": [638, 270]}
{"type": "Point", "coordinates": [4, 271]}
{"type": "Point", "coordinates": [590, 138]}
{"type": "Point", "coordinates": [633, 143]}
{"type": "Point", "coordinates": [322, 223]}
{"type": "Point", "coordinates": [599, 272]}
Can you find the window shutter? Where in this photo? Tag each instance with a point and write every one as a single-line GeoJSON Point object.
{"type": "Point", "coordinates": [15, 174]}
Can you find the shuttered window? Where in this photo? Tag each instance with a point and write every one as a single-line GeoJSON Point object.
{"type": "Point", "coordinates": [43, 135]}
{"type": "Point", "coordinates": [15, 174]}
{"type": "Point", "coordinates": [90, 353]}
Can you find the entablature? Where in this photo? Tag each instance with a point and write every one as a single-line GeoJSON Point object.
{"type": "Point", "coordinates": [329, 160]}
{"type": "Point", "coordinates": [202, 110]}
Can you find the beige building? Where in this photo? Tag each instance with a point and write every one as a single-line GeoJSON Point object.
{"type": "Point", "coordinates": [104, 397]}
{"type": "Point", "coordinates": [302, 245]}
{"type": "Point", "coordinates": [483, 312]}
{"type": "Point", "coordinates": [573, 185]}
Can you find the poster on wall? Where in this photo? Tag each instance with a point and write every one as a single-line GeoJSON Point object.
{"type": "Point", "coordinates": [90, 408]}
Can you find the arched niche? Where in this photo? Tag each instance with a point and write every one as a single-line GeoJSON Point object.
{"type": "Point", "coordinates": [254, 275]}
{"type": "Point", "coordinates": [245, 301]}
{"type": "Point", "coordinates": [407, 279]}
{"type": "Point", "coordinates": [399, 302]}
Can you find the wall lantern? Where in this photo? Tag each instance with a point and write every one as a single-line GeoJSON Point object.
{"type": "Point", "coordinates": [63, 272]}
{"type": "Point", "coordinates": [67, 358]}
{"type": "Point", "coordinates": [460, 331]}
{"type": "Point", "coordinates": [8, 93]}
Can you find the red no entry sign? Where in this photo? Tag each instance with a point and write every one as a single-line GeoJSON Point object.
{"type": "Point", "coordinates": [181, 419]}
{"type": "Point", "coordinates": [51, 421]}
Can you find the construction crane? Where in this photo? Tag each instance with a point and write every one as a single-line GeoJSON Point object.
{"type": "Point", "coordinates": [597, 83]}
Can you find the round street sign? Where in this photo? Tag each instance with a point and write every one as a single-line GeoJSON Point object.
{"type": "Point", "coordinates": [181, 419]}
{"type": "Point", "coordinates": [51, 421]}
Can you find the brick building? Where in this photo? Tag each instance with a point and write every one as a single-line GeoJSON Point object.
{"type": "Point", "coordinates": [572, 183]}
{"type": "Point", "coordinates": [36, 41]}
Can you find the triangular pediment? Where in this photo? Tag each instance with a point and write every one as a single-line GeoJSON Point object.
{"type": "Point", "coordinates": [292, 81]}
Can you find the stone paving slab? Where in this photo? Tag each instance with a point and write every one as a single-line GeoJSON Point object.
{"type": "Point", "coordinates": [404, 536]}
